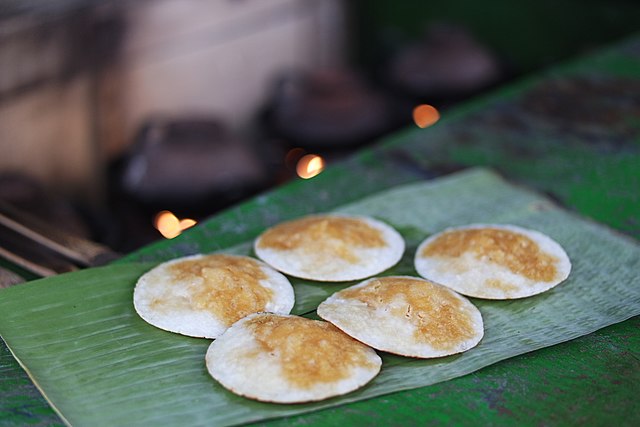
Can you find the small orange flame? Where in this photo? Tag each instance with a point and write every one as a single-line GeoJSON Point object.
{"type": "Point", "coordinates": [170, 226]}
{"type": "Point", "coordinates": [425, 115]}
{"type": "Point", "coordinates": [309, 166]}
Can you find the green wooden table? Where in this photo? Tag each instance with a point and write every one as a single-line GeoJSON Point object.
{"type": "Point", "coordinates": [572, 132]}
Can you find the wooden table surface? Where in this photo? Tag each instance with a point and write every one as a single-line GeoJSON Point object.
{"type": "Point", "coordinates": [573, 133]}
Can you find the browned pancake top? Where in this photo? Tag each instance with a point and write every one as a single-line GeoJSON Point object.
{"type": "Point", "coordinates": [311, 351]}
{"type": "Point", "coordinates": [438, 316]}
{"type": "Point", "coordinates": [512, 250]}
{"type": "Point", "coordinates": [230, 287]}
{"type": "Point", "coordinates": [335, 235]}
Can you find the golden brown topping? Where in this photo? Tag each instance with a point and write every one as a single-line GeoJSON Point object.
{"type": "Point", "coordinates": [515, 251]}
{"type": "Point", "coordinates": [227, 286]}
{"type": "Point", "coordinates": [327, 234]}
{"type": "Point", "coordinates": [311, 351]}
{"type": "Point", "coordinates": [439, 317]}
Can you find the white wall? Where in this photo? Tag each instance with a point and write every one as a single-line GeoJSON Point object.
{"type": "Point", "coordinates": [221, 56]}
{"type": "Point", "coordinates": [178, 57]}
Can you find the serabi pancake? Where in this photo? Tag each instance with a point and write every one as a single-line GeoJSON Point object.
{"type": "Point", "coordinates": [493, 261]}
{"type": "Point", "coordinates": [202, 295]}
{"type": "Point", "coordinates": [330, 247]}
{"type": "Point", "coordinates": [289, 359]}
{"type": "Point", "coordinates": [405, 315]}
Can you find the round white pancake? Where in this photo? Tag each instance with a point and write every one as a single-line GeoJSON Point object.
{"type": "Point", "coordinates": [289, 359]}
{"type": "Point", "coordinates": [330, 248]}
{"type": "Point", "coordinates": [405, 315]}
{"type": "Point", "coordinates": [493, 261]}
{"type": "Point", "coordinates": [202, 295]}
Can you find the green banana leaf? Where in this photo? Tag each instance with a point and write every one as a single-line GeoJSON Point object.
{"type": "Point", "coordinates": [78, 337]}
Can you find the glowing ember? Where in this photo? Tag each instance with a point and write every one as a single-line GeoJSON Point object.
{"type": "Point", "coordinates": [309, 166]}
{"type": "Point", "coordinates": [187, 223]}
{"type": "Point", "coordinates": [170, 226]}
{"type": "Point", "coordinates": [425, 115]}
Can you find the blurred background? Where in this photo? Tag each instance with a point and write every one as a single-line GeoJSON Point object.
{"type": "Point", "coordinates": [125, 122]}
